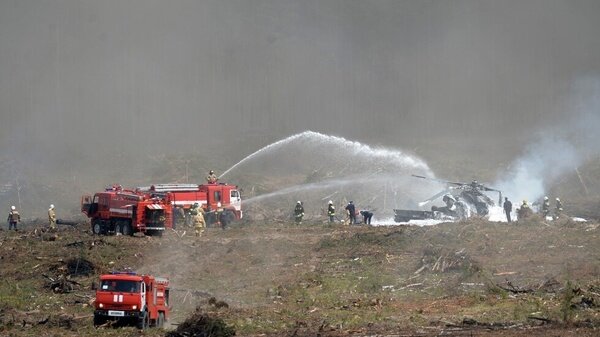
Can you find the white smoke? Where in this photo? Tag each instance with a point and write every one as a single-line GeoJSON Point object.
{"type": "Point", "coordinates": [557, 151]}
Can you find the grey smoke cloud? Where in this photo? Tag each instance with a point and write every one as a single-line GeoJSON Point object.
{"type": "Point", "coordinates": [559, 150]}
{"type": "Point", "coordinates": [90, 87]}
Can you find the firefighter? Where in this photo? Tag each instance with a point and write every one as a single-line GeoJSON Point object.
{"type": "Point", "coordinates": [199, 223]}
{"type": "Point", "coordinates": [52, 217]}
{"type": "Point", "coordinates": [211, 178]}
{"type": "Point", "coordinates": [507, 208]}
{"type": "Point", "coordinates": [558, 209]}
{"type": "Point", "coordinates": [546, 207]}
{"type": "Point", "coordinates": [330, 211]}
{"type": "Point", "coordinates": [298, 212]}
{"type": "Point", "coordinates": [366, 216]}
{"type": "Point", "coordinates": [351, 210]}
{"type": "Point", "coordinates": [524, 211]}
{"type": "Point", "coordinates": [13, 218]}
{"type": "Point", "coordinates": [192, 212]}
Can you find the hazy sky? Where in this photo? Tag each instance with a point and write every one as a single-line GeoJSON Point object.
{"type": "Point", "coordinates": [78, 77]}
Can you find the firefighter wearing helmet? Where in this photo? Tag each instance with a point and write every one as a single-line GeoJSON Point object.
{"type": "Point", "coordinates": [13, 218]}
{"type": "Point", "coordinates": [52, 217]}
{"type": "Point", "coordinates": [211, 178]}
{"type": "Point", "coordinates": [558, 209]}
{"type": "Point", "coordinates": [191, 214]}
{"type": "Point", "coordinates": [199, 223]}
{"type": "Point", "coordinates": [330, 211]}
{"type": "Point", "coordinates": [524, 211]}
{"type": "Point", "coordinates": [546, 207]}
{"type": "Point", "coordinates": [298, 212]}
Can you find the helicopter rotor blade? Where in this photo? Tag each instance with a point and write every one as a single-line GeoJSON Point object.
{"type": "Point", "coordinates": [439, 180]}
{"type": "Point", "coordinates": [490, 189]}
{"type": "Point", "coordinates": [425, 202]}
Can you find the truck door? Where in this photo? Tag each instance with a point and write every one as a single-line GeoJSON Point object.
{"type": "Point", "coordinates": [217, 197]}
{"type": "Point", "coordinates": [213, 195]}
{"type": "Point", "coordinates": [103, 205]}
{"type": "Point", "coordinates": [235, 199]}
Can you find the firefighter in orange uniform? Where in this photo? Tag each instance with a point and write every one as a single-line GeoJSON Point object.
{"type": "Point", "coordinates": [211, 178]}
{"type": "Point", "coordinates": [199, 223]}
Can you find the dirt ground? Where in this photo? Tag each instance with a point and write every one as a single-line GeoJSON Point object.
{"type": "Point", "coordinates": [473, 278]}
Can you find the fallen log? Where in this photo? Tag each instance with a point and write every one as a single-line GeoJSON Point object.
{"type": "Point", "coordinates": [545, 320]}
{"type": "Point", "coordinates": [511, 288]}
{"type": "Point", "coordinates": [66, 222]}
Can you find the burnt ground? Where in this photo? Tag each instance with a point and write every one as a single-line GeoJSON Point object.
{"type": "Point", "coordinates": [473, 278]}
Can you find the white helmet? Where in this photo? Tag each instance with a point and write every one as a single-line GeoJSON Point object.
{"type": "Point", "coordinates": [546, 198]}
{"type": "Point", "coordinates": [557, 199]}
{"type": "Point", "coordinates": [13, 208]}
{"type": "Point", "coordinates": [299, 202]}
{"type": "Point", "coordinates": [51, 206]}
{"type": "Point", "coordinates": [330, 202]}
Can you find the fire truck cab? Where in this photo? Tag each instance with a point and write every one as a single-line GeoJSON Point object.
{"type": "Point", "coordinates": [128, 297]}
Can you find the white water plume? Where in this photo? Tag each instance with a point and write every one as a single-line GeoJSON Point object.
{"type": "Point", "coordinates": [314, 141]}
{"type": "Point", "coordinates": [314, 168]}
{"type": "Point", "coordinates": [326, 187]}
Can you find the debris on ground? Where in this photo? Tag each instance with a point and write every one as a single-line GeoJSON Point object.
{"type": "Point", "coordinates": [201, 325]}
{"type": "Point", "coordinates": [61, 284]}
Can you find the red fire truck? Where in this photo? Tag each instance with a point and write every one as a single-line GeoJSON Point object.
{"type": "Point", "coordinates": [221, 202]}
{"type": "Point", "coordinates": [128, 297]}
{"type": "Point", "coordinates": [124, 211]}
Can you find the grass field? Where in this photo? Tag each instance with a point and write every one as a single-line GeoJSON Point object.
{"type": "Point", "coordinates": [461, 279]}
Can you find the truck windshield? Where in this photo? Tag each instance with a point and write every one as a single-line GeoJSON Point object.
{"type": "Point", "coordinates": [120, 286]}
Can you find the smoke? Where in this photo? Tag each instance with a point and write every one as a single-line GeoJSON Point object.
{"type": "Point", "coordinates": [560, 150]}
{"type": "Point", "coordinates": [90, 90]}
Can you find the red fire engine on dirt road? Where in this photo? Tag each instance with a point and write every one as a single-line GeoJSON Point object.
{"type": "Point", "coordinates": [124, 211]}
{"type": "Point", "coordinates": [221, 202]}
{"type": "Point", "coordinates": [128, 297]}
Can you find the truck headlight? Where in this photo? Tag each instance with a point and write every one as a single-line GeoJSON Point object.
{"type": "Point", "coordinates": [100, 305]}
{"type": "Point", "coordinates": [134, 307]}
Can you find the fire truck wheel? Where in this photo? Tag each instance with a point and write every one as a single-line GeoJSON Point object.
{"type": "Point", "coordinates": [99, 320]}
{"type": "Point", "coordinates": [97, 227]}
{"type": "Point", "coordinates": [161, 320]}
{"type": "Point", "coordinates": [144, 322]}
{"type": "Point", "coordinates": [126, 229]}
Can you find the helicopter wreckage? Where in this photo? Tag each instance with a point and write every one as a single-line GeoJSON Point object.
{"type": "Point", "coordinates": [462, 201]}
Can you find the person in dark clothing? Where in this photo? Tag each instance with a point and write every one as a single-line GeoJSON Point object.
{"type": "Point", "coordinates": [507, 208]}
{"type": "Point", "coordinates": [351, 212]}
{"type": "Point", "coordinates": [366, 216]}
